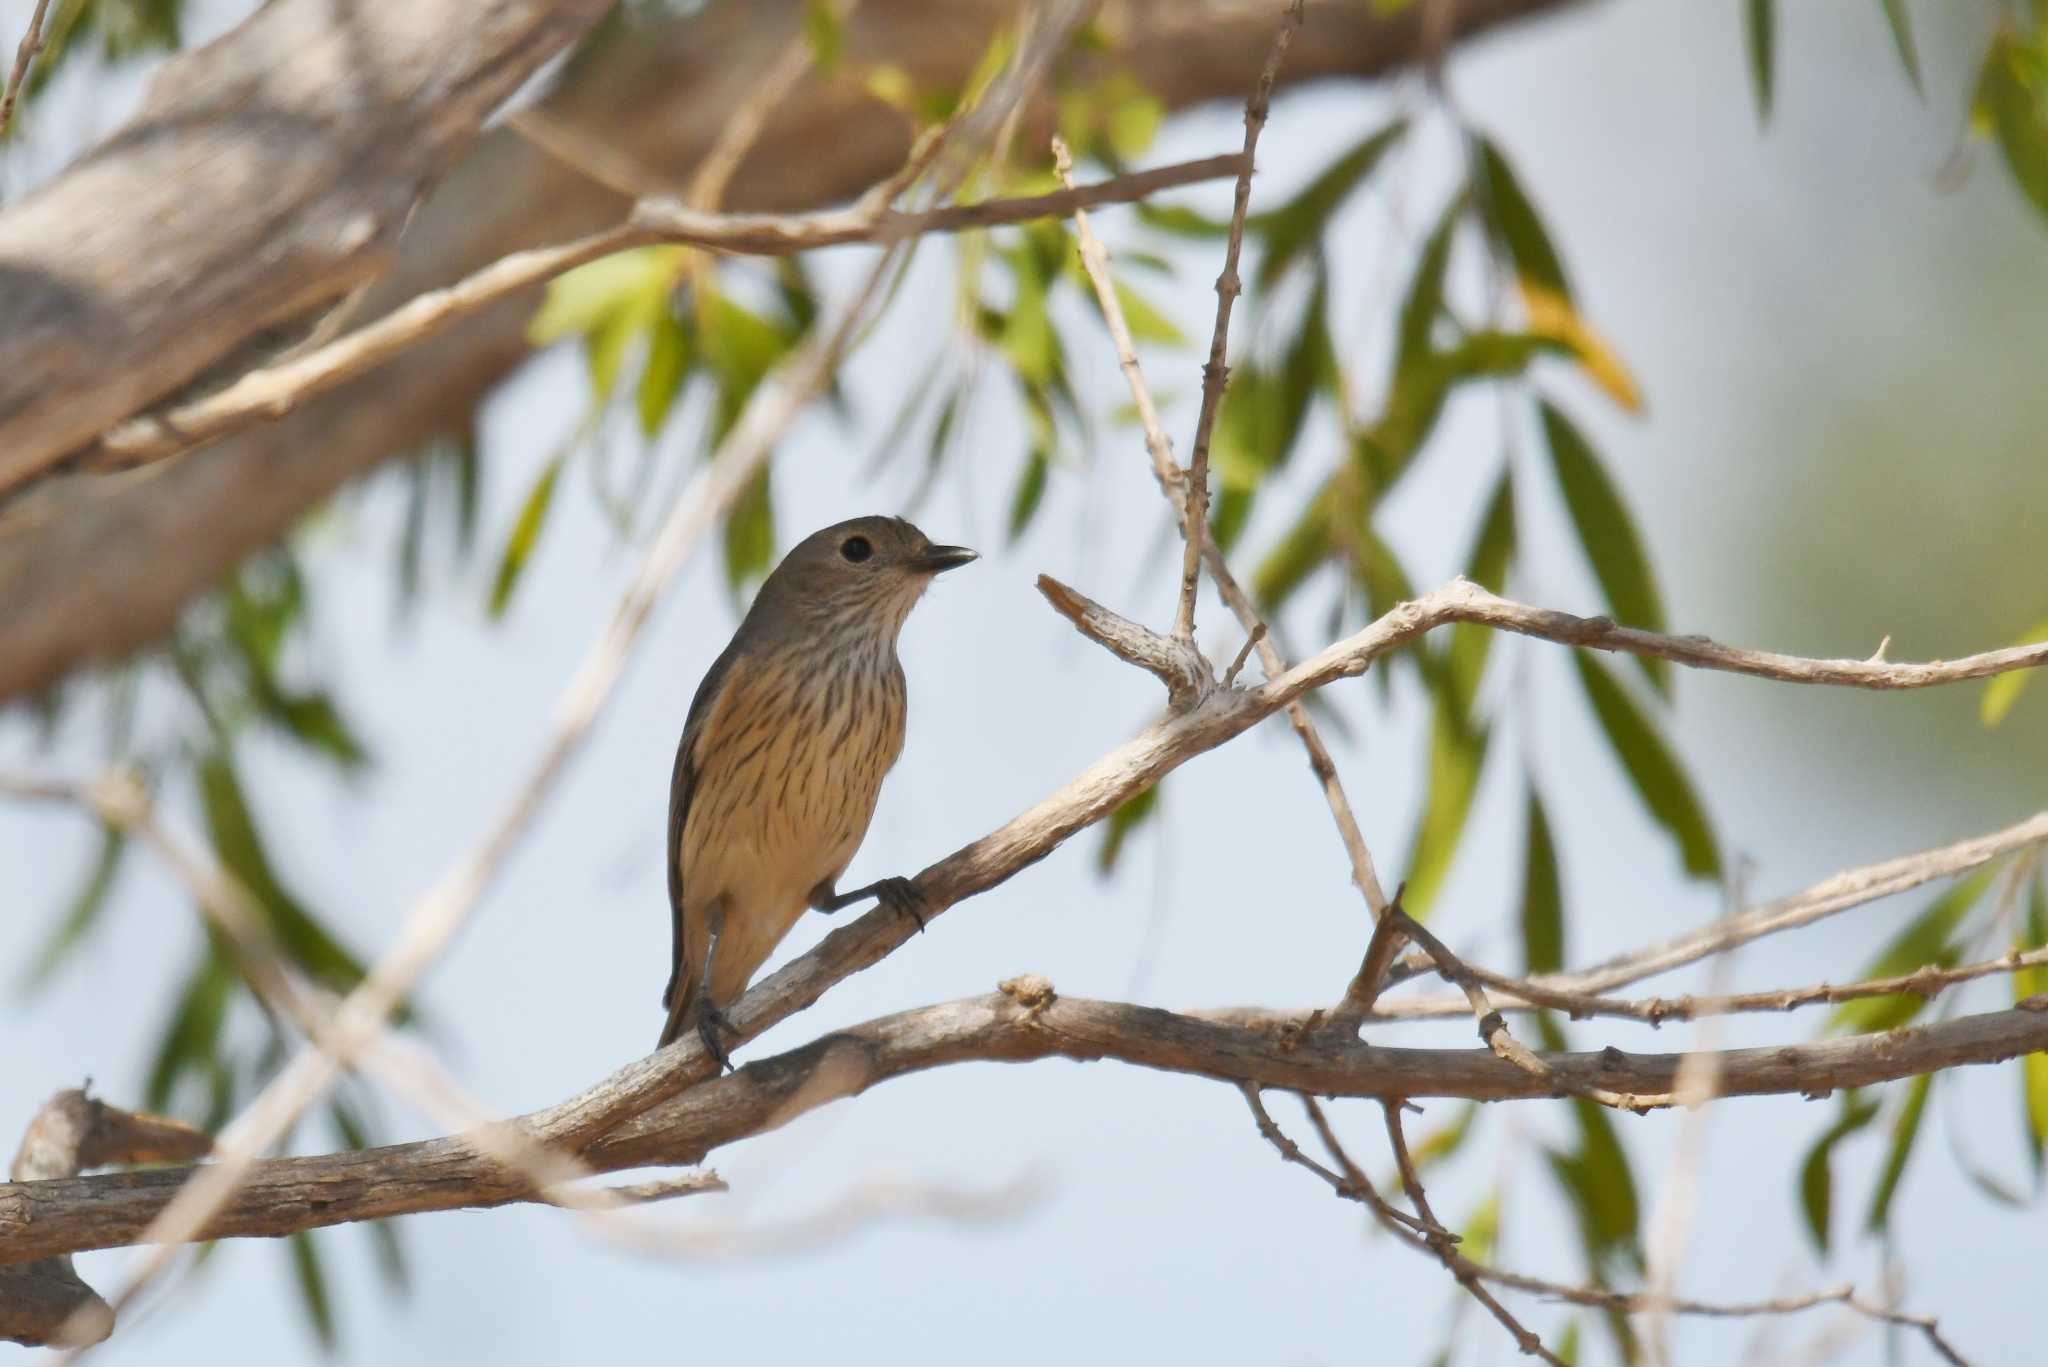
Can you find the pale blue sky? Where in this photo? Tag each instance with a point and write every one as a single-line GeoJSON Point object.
{"type": "Point", "coordinates": [1778, 296]}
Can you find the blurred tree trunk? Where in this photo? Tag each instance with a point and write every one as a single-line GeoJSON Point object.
{"type": "Point", "coordinates": [93, 566]}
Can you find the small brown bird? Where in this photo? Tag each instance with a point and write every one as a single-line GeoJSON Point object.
{"type": "Point", "coordinates": [783, 755]}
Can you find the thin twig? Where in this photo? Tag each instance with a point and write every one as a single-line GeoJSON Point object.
{"type": "Point", "coordinates": [1468, 1274]}
{"type": "Point", "coordinates": [1173, 483]}
{"type": "Point", "coordinates": [1580, 991]}
{"type": "Point", "coordinates": [1215, 372]}
{"type": "Point", "coordinates": [24, 55]}
{"type": "Point", "coordinates": [1493, 1027]}
{"type": "Point", "coordinates": [271, 392]}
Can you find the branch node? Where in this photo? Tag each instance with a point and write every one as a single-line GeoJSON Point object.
{"type": "Point", "coordinates": [1178, 664]}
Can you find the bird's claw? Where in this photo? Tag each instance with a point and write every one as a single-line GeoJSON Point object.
{"type": "Point", "coordinates": [710, 1022]}
{"type": "Point", "coordinates": [902, 895]}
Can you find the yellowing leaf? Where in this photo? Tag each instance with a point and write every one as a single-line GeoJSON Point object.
{"type": "Point", "coordinates": [1551, 315]}
{"type": "Point", "coordinates": [2004, 690]}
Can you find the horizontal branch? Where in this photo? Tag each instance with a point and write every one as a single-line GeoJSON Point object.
{"type": "Point", "coordinates": [637, 1115]}
{"type": "Point", "coordinates": [42, 1301]}
{"type": "Point", "coordinates": [274, 391]}
{"type": "Point", "coordinates": [1023, 1022]}
{"type": "Point", "coordinates": [1834, 894]}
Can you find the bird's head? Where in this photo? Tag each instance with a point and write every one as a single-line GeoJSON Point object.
{"type": "Point", "coordinates": [868, 570]}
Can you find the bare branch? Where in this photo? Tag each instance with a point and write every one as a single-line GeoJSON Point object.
{"type": "Point", "coordinates": [1026, 1021]}
{"type": "Point", "coordinates": [1215, 372]}
{"type": "Point", "coordinates": [44, 1303]}
{"type": "Point", "coordinates": [1493, 1027]}
{"type": "Point", "coordinates": [1468, 1273]}
{"type": "Point", "coordinates": [270, 393]}
{"type": "Point", "coordinates": [1840, 892]}
{"type": "Point", "coordinates": [24, 55]}
{"type": "Point", "coordinates": [1173, 482]}
{"type": "Point", "coordinates": [1172, 660]}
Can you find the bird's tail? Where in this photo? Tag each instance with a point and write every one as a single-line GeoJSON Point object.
{"type": "Point", "coordinates": [682, 995]}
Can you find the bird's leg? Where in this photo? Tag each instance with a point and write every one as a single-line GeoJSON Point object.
{"type": "Point", "coordinates": [898, 894]}
{"type": "Point", "coordinates": [710, 1021]}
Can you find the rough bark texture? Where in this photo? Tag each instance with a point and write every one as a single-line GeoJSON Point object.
{"type": "Point", "coordinates": [94, 567]}
{"type": "Point", "coordinates": [1024, 1021]}
{"type": "Point", "coordinates": [267, 172]}
{"type": "Point", "coordinates": [43, 1302]}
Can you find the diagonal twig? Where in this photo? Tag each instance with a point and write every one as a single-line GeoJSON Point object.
{"type": "Point", "coordinates": [24, 55]}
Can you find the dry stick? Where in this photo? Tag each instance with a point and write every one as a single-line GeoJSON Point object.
{"type": "Point", "coordinates": [1173, 482]}
{"type": "Point", "coordinates": [1362, 1191]}
{"type": "Point", "coordinates": [1025, 1021]}
{"type": "Point", "coordinates": [273, 391]}
{"type": "Point", "coordinates": [1215, 372]}
{"type": "Point", "coordinates": [1639, 1303]}
{"type": "Point", "coordinates": [31, 44]}
{"type": "Point", "coordinates": [1438, 1240]}
{"type": "Point", "coordinates": [44, 1303]}
{"type": "Point", "coordinates": [1579, 992]}
{"type": "Point", "coordinates": [1493, 1027]}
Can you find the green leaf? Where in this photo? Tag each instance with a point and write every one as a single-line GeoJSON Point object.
{"type": "Point", "coordinates": [661, 377]}
{"type": "Point", "coordinates": [1419, 391]}
{"type": "Point", "coordinates": [1457, 752]}
{"type": "Point", "coordinates": [750, 534]}
{"type": "Point", "coordinates": [1608, 536]}
{"type": "Point", "coordinates": [533, 512]}
{"type": "Point", "coordinates": [1514, 224]}
{"type": "Point", "coordinates": [1652, 768]}
{"type": "Point", "coordinates": [81, 913]}
{"type": "Point", "coordinates": [1816, 1176]}
{"type": "Point", "coordinates": [1147, 323]}
{"type": "Point", "coordinates": [607, 302]}
{"type": "Point", "coordinates": [311, 1279]}
{"type": "Point", "coordinates": [1288, 565]}
{"type": "Point", "coordinates": [1905, 1128]}
{"type": "Point", "coordinates": [1598, 1187]}
{"type": "Point", "coordinates": [1487, 566]}
{"type": "Point", "coordinates": [1438, 1145]}
{"type": "Point", "coordinates": [1479, 1233]}
{"type": "Point", "coordinates": [190, 1041]}
{"type": "Point", "coordinates": [236, 841]}
{"type": "Point", "coordinates": [1901, 25]}
{"type": "Point", "coordinates": [2004, 690]}
{"type": "Point", "coordinates": [2033, 982]}
{"type": "Point", "coordinates": [1026, 336]}
{"type": "Point", "coordinates": [1133, 813]}
{"type": "Point", "coordinates": [314, 721]}
{"type": "Point", "coordinates": [1298, 224]}
{"type": "Point", "coordinates": [2011, 90]}
{"type": "Point", "coordinates": [1567, 1349]}
{"type": "Point", "coordinates": [740, 347]}
{"type": "Point", "coordinates": [826, 34]}
{"type": "Point", "coordinates": [1759, 31]}
{"type": "Point", "coordinates": [1542, 896]}
{"type": "Point", "coordinates": [1925, 940]}
{"type": "Point", "coordinates": [1030, 491]}
{"type": "Point", "coordinates": [1180, 221]}
{"type": "Point", "coordinates": [1424, 303]}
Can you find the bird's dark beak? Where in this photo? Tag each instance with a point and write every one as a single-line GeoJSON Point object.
{"type": "Point", "coordinates": [939, 559]}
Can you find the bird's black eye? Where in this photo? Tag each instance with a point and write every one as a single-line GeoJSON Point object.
{"type": "Point", "coordinates": [856, 549]}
